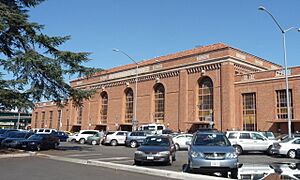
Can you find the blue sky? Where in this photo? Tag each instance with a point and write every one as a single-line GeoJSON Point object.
{"type": "Point", "coordinates": [146, 29]}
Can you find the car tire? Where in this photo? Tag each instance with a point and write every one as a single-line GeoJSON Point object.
{"type": "Point", "coordinates": [238, 149]}
{"type": "Point", "coordinates": [94, 142]}
{"type": "Point", "coordinates": [186, 167]}
{"type": "Point", "coordinates": [81, 141]}
{"type": "Point", "coordinates": [234, 173]}
{"type": "Point", "coordinates": [137, 163]}
{"type": "Point", "coordinates": [174, 158]}
{"type": "Point", "coordinates": [73, 141]}
{"type": "Point", "coordinates": [113, 142]}
{"type": "Point", "coordinates": [269, 152]}
{"type": "Point", "coordinates": [177, 147]}
{"type": "Point", "coordinates": [170, 162]}
{"type": "Point", "coordinates": [224, 174]}
{"type": "Point", "coordinates": [291, 154]}
{"type": "Point", "coordinates": [133, 144]}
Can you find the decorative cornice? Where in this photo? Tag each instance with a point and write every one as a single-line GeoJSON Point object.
{"type": "Point", "coordinates": [199, 69]}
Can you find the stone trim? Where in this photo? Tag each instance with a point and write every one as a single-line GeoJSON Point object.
{"type": "Point", "coordinates": [205, 68]}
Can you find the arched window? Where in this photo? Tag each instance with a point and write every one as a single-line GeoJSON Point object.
{"type": "Point", "coordinates": [159, 101]}
{"type": "Point", "coordinates": [205, 99]}
{"type": "Point", "coordinates": [128, 106]}
{"type": "Point", "coordinates": [104, 107]}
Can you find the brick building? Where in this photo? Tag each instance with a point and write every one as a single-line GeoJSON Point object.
{"type": "Point", "coordinates": [211, 85]}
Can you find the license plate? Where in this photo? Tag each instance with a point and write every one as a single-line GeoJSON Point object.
{"type": "Point", "coordinates": [23, 145]}
{"type": "Point", "coordinates": [215, 163]}
{"type": "Point", "coordinates": [150, 157]}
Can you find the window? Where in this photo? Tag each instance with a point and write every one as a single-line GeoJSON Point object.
{"type": "Point", "coordinates": [36, 119]}
{"type": "Point", "coordinates": [205, 99]}
{"type": "Point", "coordinates": [249, 112]}
{"type": "Point", "coordinates": [232, 136]}
{"type": "Point", "coordinates": [79, 118]}
{"type": "Point", "coordinates": [245, 136]}
{"type": "Point", "coordinates": [159, 101]}
{"type": "Point", "coordinates": [43, 120]}
{"type": "Point", "coordinates": [121, 134]}
{"type": "Point", "coordinates": [129, 106]}
{"type": "Point", "coordinates": [104, 107]}
{"type": "Point", "coordinates": [282, 112]}
{"type": "Point", "coordinates": [256, 136]}
{"type": "Point", "coordinates": [59, 119]}
{"type": "Point", "coordinates": [50, 118]}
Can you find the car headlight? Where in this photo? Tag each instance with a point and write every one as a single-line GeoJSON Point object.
{"type": "Point", "coordinates": [195, 154]}
{"type": "Point", "coordinates": [138, 152]}
{"type": "Point", "coordinates": [231, 155]}
{"type": "Point", "coordinates": [164, 153]}
{"type": "Point", "coordinates": [32, 143]}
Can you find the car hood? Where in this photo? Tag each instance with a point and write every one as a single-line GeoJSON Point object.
{"type": "Point", "coordinates": [216, 149]}
{"type": "Point", "coordinates": [153, 148]}
{"type": "Point", "coordinates": [29, 141]}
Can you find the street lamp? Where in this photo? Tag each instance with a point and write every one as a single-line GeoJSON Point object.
{"type": "Point", "coordinates": [134, 121]}
{"type": "Point", "coordinates": [283, 31]}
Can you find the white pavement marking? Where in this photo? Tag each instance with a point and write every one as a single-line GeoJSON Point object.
{"type": "Point", "coordinates": [79, 155]}
{"type": "Point", "coordinates": [111, 158]}
{"type": "Point", "coordinates": [122, 161]}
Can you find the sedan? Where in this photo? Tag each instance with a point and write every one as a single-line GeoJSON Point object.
{"type": "Point", "coordinates": [14, 141]}
{"type": "Point", "coordinates": [181, 140]}
{"type": "Point", "coordinates": [286, 147]}
{"type": "Point", "coordinates": [155, 149]}
{"type": "Point", "coordinates": [41, 141]}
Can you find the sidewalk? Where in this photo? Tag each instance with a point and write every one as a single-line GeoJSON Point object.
{"type": "Point", "coordinates": [9, 153]}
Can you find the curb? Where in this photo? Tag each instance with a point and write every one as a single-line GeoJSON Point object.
{"type": "Point", "coordinates": [136, 169]}
{"type": "Point", "coordinates": [27, 154]}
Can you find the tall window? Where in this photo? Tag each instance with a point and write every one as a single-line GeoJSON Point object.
{"type": "Point", "coordinates": [282, 112]}
{"type": "Point", "coordinates": [50, 119]}
{"type": "Point", "coordinates": [249, 112]}
{"type": "Point", "coordinates": [59, 112]}
{"type": "Point", "coordinates": [129, 106]}
{"type": "Point", "coordinates": [36, 119]}
{"type": "Point", "coordinates": [205, 99]}
{"type": "Point", "coordinates": [79, 118]}
{"type": "Point", "coordinates": [104, 107]}
{"type": "Point", "coordinates": [159, 100]}
{"type": "Point", "coordinates": [43, 120]}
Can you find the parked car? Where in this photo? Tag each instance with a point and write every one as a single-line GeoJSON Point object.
{"type": "Point", "coordinates": [246, 141]}
{"type": "Point", "coordinates": [255, 171]}
{"type": "Point", "coordinates": [82, 136]}
{"type": "Point", "coordinates": [286, 136]}
{"type": "Point", "coordinates": [62, 136]}
{"type": "Point", "coordinates": [45, 131]}
{"type": "Point", "coordinates": [135, 138]}
{"type": "Point", "coordinates": [14, 141]}
{"type": "Point", "coordinates": [286, 147]}
{"type": "Point", "coordinates": [268, 134]}
{"type": "Point", "coordinates": [40, 141]}
{"type": "Point", "coordinates": [156, 149]}
{"type": "Point", "coordinates": [212, 152]}
{"type": "Point", "coordinates": [298, 153]}
{"type": "Point", "coordinates": [115, 137]}
{"type": "Point", "coordinates": [154, 128]}
{"type": "Point", "coordinates": [7, 133]}
{"type": "Point", "coordinates": [181, 140]}
{"type": "Point", "coordinates": [95, 139]}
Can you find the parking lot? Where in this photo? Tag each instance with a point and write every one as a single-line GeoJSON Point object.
{"type": "Point", "coordinates": [256, 162]}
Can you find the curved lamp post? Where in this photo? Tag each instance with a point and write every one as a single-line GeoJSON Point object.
{"type": "Point", "coordinates": [134, 121]}
{"type": "Point", "coordinates": [283, 31]}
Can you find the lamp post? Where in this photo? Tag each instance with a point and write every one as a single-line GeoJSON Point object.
{"type": "Point", "coordinates": [134, 121]}
{"type": "Point", "coordinates": [283, 31]}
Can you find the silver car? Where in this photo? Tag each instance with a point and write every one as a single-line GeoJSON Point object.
{"type": "Point", "coordinates": [286, 147]}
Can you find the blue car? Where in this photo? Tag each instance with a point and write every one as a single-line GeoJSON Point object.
{"type": "Point", "coordinates": [15, 139]}
{"type": "Point", "coordinates": [62, 136]}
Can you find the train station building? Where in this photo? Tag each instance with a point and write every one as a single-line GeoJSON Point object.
{"type": "Point", "coordinates": [216, 85]}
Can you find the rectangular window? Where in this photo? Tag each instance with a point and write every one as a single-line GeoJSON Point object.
{"type": "Point", "coordinates": [282, 112]}
{"type": "Point", "coordinates": [104, 108]}
{"type": "Point", "coordinates": [36, 119]}
{"type": "Point", "coordinates": [59, 112]}
{"type": "Point", "coordinates": [50, 119]}
{"type": "Point", "coordinates": [129, 108]}
{"type": "Point", "coordinates": [43, 120]}
{"type": "Point", "coordinates": [79, 118]}
{"type": "Point", "coordinates": [249, 112]}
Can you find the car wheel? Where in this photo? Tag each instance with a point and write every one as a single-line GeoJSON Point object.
{"type": "Point", "coordinates": [238, 150]}
{"type": "Point", "coordinates": [177, 147]}
{"type": "Point", "coordinates": [113, 142]}
{"type": "Point", "coordinates": [73, 141]}
{"type": "Point", "coordinates": [224, 174]}
{"type": "Point", "coordinates": [186, 167]}
{"type": "Point", "coordinates": [94, 142]}
{"type": "Point", "coordinates": [174, 157]}
{"type": "Point", "coordinates": [170, 160]}
{"type": "Point", "coordinates": [138, 163]}
{"type": "Point", "coordinates": [234, 173]}
{"type": "Point", "coordinates": [269, 152]}
{"type": "Point", "coordinates": [81, 141]}
{"type": "Point", "coordinates": [133, 144]}
{"type": "Point", "coordinates": [291, 154]}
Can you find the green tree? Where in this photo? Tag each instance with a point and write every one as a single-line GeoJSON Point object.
{"type": "Point", "coordinates": [33, 58]}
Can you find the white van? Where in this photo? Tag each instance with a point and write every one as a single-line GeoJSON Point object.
{"type": "Point", "coordinates": [154, 128]}
{"type": "Point", "coordinates": [44, 131]}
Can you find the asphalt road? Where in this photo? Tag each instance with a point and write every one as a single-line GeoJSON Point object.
{"type": "Point", "coordinates": [35, 168]}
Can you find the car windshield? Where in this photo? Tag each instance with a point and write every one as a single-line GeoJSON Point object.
{"type": "Point", "coordinates": [211, 140]}
{"type": "Point", "coordinates": [18, 135]}
{"type": "Point", "coordinates": [156, 141]}
{"type": "Point", "coordinates": [2, 131]}
{"type": "Point", "coordinates": [36, 137]}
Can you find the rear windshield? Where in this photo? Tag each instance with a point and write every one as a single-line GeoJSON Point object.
{"type": "Point", "coordinates": [156, 141]}
{"type": "Point", "coordinates": [211, 140]}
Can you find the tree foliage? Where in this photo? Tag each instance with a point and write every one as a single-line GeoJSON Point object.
{"type": "Point", "coordinates": [33, 59]}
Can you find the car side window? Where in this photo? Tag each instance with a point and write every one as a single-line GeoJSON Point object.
{"type": "Point", "coordinates": [121, 134]}
{"type": "Point", "coordinates": [160, 127]}
{"type": "Point", "coordinates": [245, 136]}
{"type": "Point", "coordinates": [256, 136]}
{"type": "Point", "coordinates": [232, 135]}
{"type": "Point", "coordinates": [297, 141]}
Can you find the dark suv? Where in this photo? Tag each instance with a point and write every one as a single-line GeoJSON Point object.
{"type": "Point", "coordinates": [135, 138]}
{"type": "Point", "coordinates": [212, 152]}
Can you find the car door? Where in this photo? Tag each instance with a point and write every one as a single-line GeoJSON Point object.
{"type": "Point", "coordinates": [121, 137]}
{"type": "Point", "coordinates": [296, 144]}
{"type": "Point", "coordinates": [259, 142]}
{"type": "Point", "coordinates": [245, 141]}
